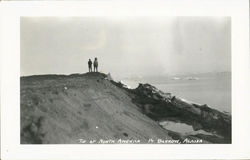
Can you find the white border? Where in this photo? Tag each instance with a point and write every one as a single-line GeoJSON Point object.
{"type": "Point", "coordinates": [10, 71]}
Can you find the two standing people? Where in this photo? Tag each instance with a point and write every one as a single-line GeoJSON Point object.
{"type": "Point", "coordinates": [95, 65]}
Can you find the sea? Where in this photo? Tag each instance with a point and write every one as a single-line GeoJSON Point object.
{"type": "Point", "coordinates": [211, 89]}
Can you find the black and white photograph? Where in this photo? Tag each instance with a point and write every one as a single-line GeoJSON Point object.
{"type": "Point", "coordinates": [125, 80]}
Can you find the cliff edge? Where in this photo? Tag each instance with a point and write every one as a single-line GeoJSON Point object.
{"type": "Point", "coordinates": [92, 108]}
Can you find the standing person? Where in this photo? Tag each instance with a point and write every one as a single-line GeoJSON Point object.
{"type": "Point", "coordinates": [90, 65]}
{"type": "Point", "coordinates": [95, 65]}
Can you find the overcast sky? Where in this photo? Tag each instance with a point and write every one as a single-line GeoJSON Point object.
{"type": "Point", "coordinates": [125, 46]}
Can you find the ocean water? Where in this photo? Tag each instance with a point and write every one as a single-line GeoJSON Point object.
{"type": "Point", "coordinates": [182, 128]}
{"type": "Point", "coordinates": [213, 90]}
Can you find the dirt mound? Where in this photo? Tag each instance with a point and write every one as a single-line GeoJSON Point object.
{"type": "Point", "coordinates": [64, 109]}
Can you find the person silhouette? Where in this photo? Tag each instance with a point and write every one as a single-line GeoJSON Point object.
{"type": "Point", "coordinates": [90, 65]}
{"type": "Point", "coordinates": [95, 65]}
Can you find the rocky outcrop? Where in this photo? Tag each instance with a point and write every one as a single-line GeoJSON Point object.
{"type": "Point", "coordinates": [162, 106]}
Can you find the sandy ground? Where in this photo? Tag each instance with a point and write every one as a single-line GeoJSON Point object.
{"type": "Point", "coordinates": [64, 109]}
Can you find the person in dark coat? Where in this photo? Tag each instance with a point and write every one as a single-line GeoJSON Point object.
{"type": "Point", "coordinates": [90, 65]}
{"type": "Point", "coordinates": [95, 65]}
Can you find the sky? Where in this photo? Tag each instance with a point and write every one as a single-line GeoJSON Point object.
{"type": "Point", "coordinates": [125, 46]}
